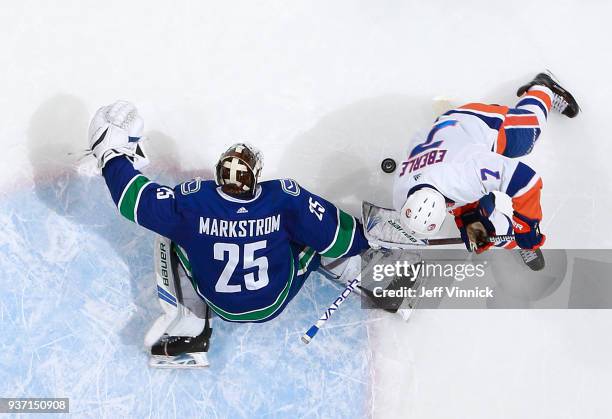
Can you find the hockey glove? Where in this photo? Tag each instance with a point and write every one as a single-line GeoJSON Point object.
{"type": "Point", "coordinates": [527, 232]}
{"type": "Point", "coordinates": [474, 224]}
{"type": "Point", "coordinates": [115, 131]}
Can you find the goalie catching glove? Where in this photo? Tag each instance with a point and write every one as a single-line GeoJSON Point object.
{"type": "Point", "coordinates": [116, 130]}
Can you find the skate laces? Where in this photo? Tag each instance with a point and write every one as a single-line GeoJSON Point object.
{"type": "Point", "coordinates": [558, 103]}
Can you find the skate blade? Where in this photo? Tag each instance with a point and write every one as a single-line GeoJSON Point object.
{"type": "Point", "coordinates": [183, 361]}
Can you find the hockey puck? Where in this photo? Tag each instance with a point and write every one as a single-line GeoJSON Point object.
{"type": "Point", "coordinates": [388, 165]}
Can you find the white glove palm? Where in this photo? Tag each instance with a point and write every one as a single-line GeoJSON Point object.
{"type": "Point", "coordinates": [115, 131]}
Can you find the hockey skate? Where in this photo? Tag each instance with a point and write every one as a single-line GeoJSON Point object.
{"type": "Point", "coordinates": [181, 351]}
{"type": "Point", "coordinates": [563, 101]}
{"type": "Point", "coordinates": [534, 259]}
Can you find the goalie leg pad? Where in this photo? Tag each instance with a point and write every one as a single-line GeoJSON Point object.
{"type": "Point", "coordinates": [176, 297]}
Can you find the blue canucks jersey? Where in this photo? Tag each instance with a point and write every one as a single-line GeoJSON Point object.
{"type": "Point", "coordinates": [244, 256]}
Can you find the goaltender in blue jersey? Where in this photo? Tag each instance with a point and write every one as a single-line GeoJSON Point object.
{"type": "Point", "coordinates": [248, 257]}
{"type": "Point", "coordinates": [247, 246]}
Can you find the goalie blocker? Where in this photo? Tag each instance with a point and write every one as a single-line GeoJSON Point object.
{"type": "Point", "coordinates": [386, 294]}
{"type": "Point", "coordinates": [389, 294]}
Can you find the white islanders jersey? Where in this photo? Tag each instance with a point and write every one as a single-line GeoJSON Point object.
{"type": "Point", "coordinates": [458, 158]}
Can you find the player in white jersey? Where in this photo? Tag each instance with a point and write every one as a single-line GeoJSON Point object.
{"type": "Point", "coordinates": [471, 152]}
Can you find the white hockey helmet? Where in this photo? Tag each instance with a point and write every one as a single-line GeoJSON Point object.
{"type": "Point", "coordinates": [423, 212]}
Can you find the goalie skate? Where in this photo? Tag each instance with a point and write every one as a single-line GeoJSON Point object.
{"type": "Point", "coordinates": [181, 351]}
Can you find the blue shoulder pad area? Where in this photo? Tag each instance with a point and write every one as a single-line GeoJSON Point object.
{"type": "Point", "coordinates": [290, 186]}
{"type": "Point", "coordinates": [195, 193]}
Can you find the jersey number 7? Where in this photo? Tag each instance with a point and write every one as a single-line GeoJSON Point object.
{"type": "Point", "coordinates": [248, 261]}
{"type": "Point", "coordinates": [485, 172]}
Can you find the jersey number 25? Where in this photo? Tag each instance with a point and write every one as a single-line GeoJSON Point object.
{"type": "Point", "coordinates": [249, 261]}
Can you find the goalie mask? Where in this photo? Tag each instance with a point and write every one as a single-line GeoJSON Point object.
{"type": "Point", "coordinates": [423, 212]}
{"type": "Point", "coordinates": [238, 170]}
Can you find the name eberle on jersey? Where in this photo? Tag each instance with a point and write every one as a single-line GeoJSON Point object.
{"type": "Point", "coordinates": [242, 228]}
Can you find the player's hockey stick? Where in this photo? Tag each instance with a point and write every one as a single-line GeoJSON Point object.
{"type": "Point", "coordinates": [459, 240]}
{"type": "Point", "coordinates": [310, 333]}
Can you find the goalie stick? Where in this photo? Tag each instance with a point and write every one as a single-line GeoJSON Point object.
{"type": "Point", "coordinates": [354, 286]}
{"type": "Point", "coordinates": [370, 258]}
{"type": "Point", "coordinates": [350, 287]}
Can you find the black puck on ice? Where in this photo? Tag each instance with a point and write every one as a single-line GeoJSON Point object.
{"type": "Point", "coordinates": [388, 165]}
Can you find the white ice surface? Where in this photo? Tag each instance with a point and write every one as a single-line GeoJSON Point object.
{"type": "Point", "coordinates": [326, 90]}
